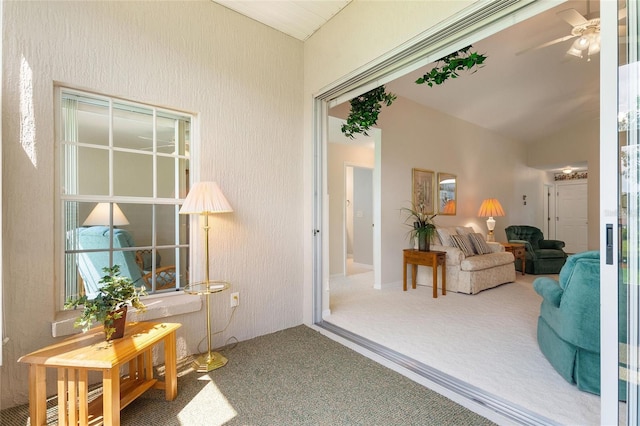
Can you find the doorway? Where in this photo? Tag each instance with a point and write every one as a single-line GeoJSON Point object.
{"type": "Point", "coordinates": [571, 215]}
{"type": "Point", "coordinates": [359, 219]}
{"type": "Point", "coordinates": [390, 175]}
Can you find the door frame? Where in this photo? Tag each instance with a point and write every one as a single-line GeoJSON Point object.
{"type": "Point", "coordinates": [478, 20]}
{"type": "Point", "coordinates": [346, 165]}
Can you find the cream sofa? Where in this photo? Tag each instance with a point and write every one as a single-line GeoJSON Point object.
{"type": "Point", "coordinates": [469, 273]}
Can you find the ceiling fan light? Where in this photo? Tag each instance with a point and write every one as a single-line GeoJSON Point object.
{"type": "Point", "coordinates": [574, 52]}
{"type": "Point", "coordinates": [581, 43]}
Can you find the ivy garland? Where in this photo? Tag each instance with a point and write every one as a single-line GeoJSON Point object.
{"type": "Point", "coordinates": [365, 110]}
{"type": "Point", "coordinates": [451, 64]}
{"type": "Point", "coordinates": [366, 107]}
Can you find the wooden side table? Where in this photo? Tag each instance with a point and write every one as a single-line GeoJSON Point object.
{"type": "Point", "coordinates": [518, 250]}
{"type": "Point", "coordinates": [76, 356]}
{"type": "Point", "coordinates": [425, 258]}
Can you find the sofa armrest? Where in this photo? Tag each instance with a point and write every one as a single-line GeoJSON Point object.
{"type": "Point", "coordinates": [454, 254]}
{"type": "Point", "coordinates": [495, 247]}
{"type": "Point", "coordinates": [549, 289]}
{"type": "Point", "coordinates": [551, 244]}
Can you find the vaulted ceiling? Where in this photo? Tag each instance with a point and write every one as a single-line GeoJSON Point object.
{"type": "Point", "coordinates": [525, 96]}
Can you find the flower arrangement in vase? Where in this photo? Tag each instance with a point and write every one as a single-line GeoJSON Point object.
{"type": "Point", "coordinates": [422, 226]}
{"type": "Point", "coordinates": [109, 307]}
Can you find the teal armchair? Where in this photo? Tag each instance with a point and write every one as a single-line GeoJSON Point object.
{"type": "Point", "coordinates": [569, 322]}
{"type": "Point", "coordinates": [542, 256]}
{"type": "Point", "coordinates": [133, 264]}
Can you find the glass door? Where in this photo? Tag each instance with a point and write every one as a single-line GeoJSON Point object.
{"type": "Point", "coordinates": [629, 206]}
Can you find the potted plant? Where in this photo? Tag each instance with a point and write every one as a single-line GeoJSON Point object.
{"type": "Point", "coordinates": [109, 307]}
{"type": "Point", "coordinates": [422, 226]}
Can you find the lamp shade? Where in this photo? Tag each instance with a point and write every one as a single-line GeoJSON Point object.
{"type": "Point", "coordinates": [490, 207]}
{"type": "Point", "coordinates": [205, 198]}
{"type": "Point", "coordinates": [99, 216]}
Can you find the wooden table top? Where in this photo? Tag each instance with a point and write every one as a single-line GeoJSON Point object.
{"type": "Point", "coordinates": [91, 350]}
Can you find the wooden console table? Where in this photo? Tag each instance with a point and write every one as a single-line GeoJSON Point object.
{"type": "Point", "coordinates": [76, 356]}
{"type": "Point", "coordinates": [518, 250]}
{"type": "Point", "coordinates": [425, 258]}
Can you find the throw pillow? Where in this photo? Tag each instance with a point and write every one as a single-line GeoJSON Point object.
{"type": "Point", "coordinates": [445, 236]}
{"type": "Point", "coordinates": [463, 243]}
{"type": "Point", "coordinates": [479, 244]}
{"type": "Point", "coordinates": [464, 230]}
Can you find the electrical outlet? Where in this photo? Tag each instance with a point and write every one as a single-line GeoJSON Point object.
{"type": "Point", "coordinates": [235, 299]}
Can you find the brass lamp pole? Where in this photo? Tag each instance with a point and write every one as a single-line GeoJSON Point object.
{"type": "Point", "coordinates": [205, 198]}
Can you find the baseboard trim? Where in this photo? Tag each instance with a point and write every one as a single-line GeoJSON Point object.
{"type": "Point", "coordinates": [492, 402]}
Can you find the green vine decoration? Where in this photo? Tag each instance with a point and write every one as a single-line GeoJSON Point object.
{"type": "Point", "coordinates": [366, 107]}
{"type": "Point", "coordinates": [365, 110]}
{"type": "Point", "coordinates": [462, 60]}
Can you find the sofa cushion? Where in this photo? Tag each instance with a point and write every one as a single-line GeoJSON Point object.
{"type": "Point", "coordinates": [464, 230]}
{"type": "Point", "coordinates": [445, 235]}
{"type": "Point", "coordinates": [486, 261]}
{"type": "Point", "coordinates": [464, 244]}
{"type": "Point", "coordinates": [550, 254]}
{"type": "Point", "coordinates": [479, 244]}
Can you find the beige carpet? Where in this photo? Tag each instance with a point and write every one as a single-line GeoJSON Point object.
{"type": "Point", "coordinates": [487, 340]}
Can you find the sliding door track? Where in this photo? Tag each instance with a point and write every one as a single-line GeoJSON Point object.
{"type": "Point", "coordinates": [499, 405]}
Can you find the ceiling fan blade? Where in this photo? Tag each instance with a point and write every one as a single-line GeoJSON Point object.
{"type": "Point", "coordinates": [549, 43]}
{"type": "Point", "coordinates": [572, 17]}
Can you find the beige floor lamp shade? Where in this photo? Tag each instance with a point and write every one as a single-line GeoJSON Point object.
{"type": "Point", "coordinates": [204, 199]}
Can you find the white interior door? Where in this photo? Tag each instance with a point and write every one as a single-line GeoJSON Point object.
{"type": "Point", "coordinates": [571, 216]}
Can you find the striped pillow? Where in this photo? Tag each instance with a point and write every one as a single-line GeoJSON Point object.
{"type": "Point", "coordinates": [463, 243]}
{"type": "Point", "coordinates": [479, 244]}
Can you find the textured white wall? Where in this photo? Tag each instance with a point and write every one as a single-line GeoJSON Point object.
{"type": "Point", "coordinates": [245, 82]}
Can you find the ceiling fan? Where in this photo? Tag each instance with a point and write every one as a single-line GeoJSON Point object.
{"type": "Point", "coordinates": [585, 31]}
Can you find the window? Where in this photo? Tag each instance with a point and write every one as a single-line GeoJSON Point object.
{"type": "Point", "coordinates": [123, 173]}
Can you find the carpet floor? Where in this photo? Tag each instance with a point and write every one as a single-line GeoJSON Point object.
{"type": "Point", "coordinates": [292, 377]}
{"type": "Point", "coordinates": [487, 340]}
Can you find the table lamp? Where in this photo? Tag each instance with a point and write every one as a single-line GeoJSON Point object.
{"type": "Point", "coordinates": [204, 199]}
{"type": "Point", "coordinates": [490, 207]}
{"type": "Point", "coordinates": [449, 207]}
{"type": "Point", "coordinates": [100, 216]}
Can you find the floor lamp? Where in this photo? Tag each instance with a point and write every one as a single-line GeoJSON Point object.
{"type": "Point", "coordinates": [204, 199]}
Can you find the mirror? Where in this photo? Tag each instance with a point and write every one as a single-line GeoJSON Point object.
{"type": "Point", "coordinates": [447, 194]}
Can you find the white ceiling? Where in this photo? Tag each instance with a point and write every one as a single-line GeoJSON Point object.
{"type": "Point", "coordinates": [524, 97]}
{"type": "Point", "coordinates": [299, 19]}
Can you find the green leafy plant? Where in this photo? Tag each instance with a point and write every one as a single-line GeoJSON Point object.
{"type": "Point", "coordinates": [420, 221]}
{"type": "Point", "coordinates": [365, 110]}
{"type": "Point", "coordinates": [451, 65]}
{"type": "Point", "coordinates": [114, 293]}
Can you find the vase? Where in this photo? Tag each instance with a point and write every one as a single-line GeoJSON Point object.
{"type": "Point", "coordinates": [423, 242]}
{"type": "Point", "coordinates": [118, 323]}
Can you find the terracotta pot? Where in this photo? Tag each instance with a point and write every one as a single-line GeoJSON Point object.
{"type": "Point", "coordinates": [118, 324]}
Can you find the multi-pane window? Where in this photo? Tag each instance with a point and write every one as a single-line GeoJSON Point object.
{"type": "Point", "coordinates": [124, 170]}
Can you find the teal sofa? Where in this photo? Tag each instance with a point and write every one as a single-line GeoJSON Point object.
{"type": "Point", "coordinates": [569, 322]}
{"type": "Point", "coordinates": [542, 256]}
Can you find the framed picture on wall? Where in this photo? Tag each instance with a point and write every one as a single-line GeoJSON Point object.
{"type": "Point", "coordinates": [447, 193]}
{"type": "Point", "coordinates": [423, 187]}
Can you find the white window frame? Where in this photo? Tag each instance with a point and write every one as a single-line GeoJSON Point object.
{"type": "Point", "coordinates": [153, 200]}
